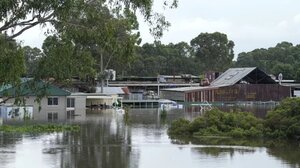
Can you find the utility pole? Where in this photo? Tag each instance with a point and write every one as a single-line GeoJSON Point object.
{"type": "Point", "coordinates": [158, 86]}
{"type": "Point", "coordinates": [102, 72]}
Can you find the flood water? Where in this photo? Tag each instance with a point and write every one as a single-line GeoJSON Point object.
{"type": "Point", "coordinates": [108, 140]}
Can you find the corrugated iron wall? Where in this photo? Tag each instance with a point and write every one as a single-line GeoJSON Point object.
{"type": "Point", "coordinates": [241, 92]}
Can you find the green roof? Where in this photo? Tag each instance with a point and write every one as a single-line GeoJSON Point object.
{"type": "Point", "coordinates": [29, 87]}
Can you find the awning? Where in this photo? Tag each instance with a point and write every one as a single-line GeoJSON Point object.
{"type": "Point", "coordinates": [99, 97]}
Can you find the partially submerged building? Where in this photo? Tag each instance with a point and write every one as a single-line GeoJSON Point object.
{"type": "Point", "coordinates": [11, 111]}
{"type": "Point", "coordinates": [236, 84]}
{"type": "Point", "coordinates": [54, 103]}
{"type": "Point", "coordinates": [51, 106]}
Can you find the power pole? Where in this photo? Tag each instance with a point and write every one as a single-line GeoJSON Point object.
{"type": "Point", "coordinates": [102, 72]}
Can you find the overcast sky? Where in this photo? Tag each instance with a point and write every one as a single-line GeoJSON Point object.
{"type": "Point", "coordinates": [250, 24]}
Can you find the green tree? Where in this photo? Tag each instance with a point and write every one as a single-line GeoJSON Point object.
{"type": "Point", "coordinates": [32, 56]}
{"type": "Point", "coordinates": [12, 64]}
{"type": "Point", "coordinates": [283, 58]}
{"type": "Point", "coordinates": [284, 120]}
{"type": "Point", "coordinates": [17, 16]}
{"type": "Point", "coordinates": [213, 50]}
{"type": "Point", "coordinates": [158, 58]}
{"type": "Point", "coordinates": [62, 61]}
{"type": "Point", "coordinates": [74, 23]}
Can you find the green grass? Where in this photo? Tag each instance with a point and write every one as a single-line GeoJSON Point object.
{"type": "Point", "coordinates": [39, 128]}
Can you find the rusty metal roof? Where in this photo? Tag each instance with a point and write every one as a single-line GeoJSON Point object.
{"type": "Point", "coordinates": [251, 75]}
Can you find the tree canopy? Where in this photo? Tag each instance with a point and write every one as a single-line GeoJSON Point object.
{"type": "Point", "coordinates": [18, 16]}
{"type": "Point", "coordinates": [283, 58]}
{"type": "Point", "coordinates": [11, 55]}
{"type": "Point", "coordinates": [103, 27]}
{"type": "Point", "coordinates": [213, 50]}
{"type": "Point", "coordinates": [84, 33]}
{"type": "Point", "coordinates": [158, 58]}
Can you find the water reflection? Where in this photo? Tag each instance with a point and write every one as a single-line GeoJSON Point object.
{"type": "Point", "coordinates": [219, 152]}
{"type": "Point", "coordinates": [259, 110]}
{"type": "Point", "coordinates": [106, 141]}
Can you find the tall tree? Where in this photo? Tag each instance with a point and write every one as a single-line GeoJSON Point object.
{"type": "Point", "coordinates": [213, 50]}
{"type": "Point", "coordinates": [62, 61]}
{"type": "Point", "coordinates": [17, 16]}
{"type": "Point", "coordinates": [12, 65]}
{"type": "Point", "coordinates": [32, 57]}
{"type": "Point", "coordinates": [73, 20]}
{"type": "Point", "coordinates": [283, 58]}
{"type": "Point", "coordinates": [107, 37]}
{"type": "Point", "coordinates": [158, 58]}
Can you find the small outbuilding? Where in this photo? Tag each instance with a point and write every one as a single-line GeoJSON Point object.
{"type": "Point", "coordinates": [236, 84]}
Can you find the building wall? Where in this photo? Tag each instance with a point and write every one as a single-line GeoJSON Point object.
{"type": "Point", "coordinates": [171, 95]}
{"type": "Point", "coordinates": [252, 92]}
{"type": "Point", "coordinates": [240, 92]}
{"type": "Point", "coordinates": [80, 107]}
{"type": "Point", "coordinates": [200, 96]}
{"type": "Point", "coordinates": [107, 102]}
{"type": "Point", "coordinates": [42, 114]}
{"type": "Point", "coordinates": [16, 113]}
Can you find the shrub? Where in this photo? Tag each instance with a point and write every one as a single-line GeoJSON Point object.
{"type": "Point", "coordinates": [179, 127]}
{"type": "Point", "coordinates": [284, 120]}
{"type": "Point", "coordinates": [218, 123]}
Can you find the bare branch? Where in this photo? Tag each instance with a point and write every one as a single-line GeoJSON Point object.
{"type": "Point", "coordinates": [3, 101]}
{"type": "Point", "coordinates": [30, 25]}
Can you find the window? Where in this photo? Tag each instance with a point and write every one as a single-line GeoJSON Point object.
{"type": "Point", "coordinates": [71, 102]}
{"type": "Point", "coordinates": [55, 116]}
{"type": "Point", "coordinates": [70, 114]}
{"type": "Point", "coordinates": [52, 101]}
{"type": "Point", "coordinates": [52, 116]}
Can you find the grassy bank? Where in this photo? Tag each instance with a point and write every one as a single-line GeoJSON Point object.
{"type": "Point", "coordinates": [38, 128]}
{"type": "Point", "coordinates": [283, 122]}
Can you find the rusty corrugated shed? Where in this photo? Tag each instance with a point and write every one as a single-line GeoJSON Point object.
{"type": "Point", "coordinates": [251, 75]}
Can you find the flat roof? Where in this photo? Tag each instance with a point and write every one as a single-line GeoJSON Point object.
{"type": "Point", "coordinates": [189, 89]}
{"type": "Point", "coordinates": [88, 94]}
{"type": "Point", "coordinates": [99, 97]}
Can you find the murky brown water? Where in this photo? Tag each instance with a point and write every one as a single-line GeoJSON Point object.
{"type": "Point", "coordinates": [106, 141]}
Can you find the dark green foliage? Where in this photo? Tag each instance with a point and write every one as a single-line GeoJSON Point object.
{"type": "Point", "coordinates": [180, 127]}
{"type": "Point", "coordinates": [38, 128]}
{"type": "Point", "coordinates": [213, 48]}
{"type": "Point", "coordinates": [82, 29]}
{"type": "Point", "coordinates": [283, 58]}
{"type": "Point", "coordinates": [157, 58]}
{"type": "Point", "coordinates": [18, 16]}
{"type": "Point", "coordinates": [12, 64]}
{"type": "Point", "coordinates": [61, 61]}
{"type": "Point", "coordinates": [32, 57]}
{"type": "Point", "coordinates": [218, 123]}
{"type": "Point", "coordinates": [182, 58]}
{"type": "Point", "coordinates": [234, 124]}
{"type": "Point", "coordinates": [284, 120]}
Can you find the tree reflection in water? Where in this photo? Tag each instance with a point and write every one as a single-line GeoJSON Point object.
{"type": "Point", "coordinates": [102, 142]}
{"type": "Point", "coordinates": [106, 141]}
